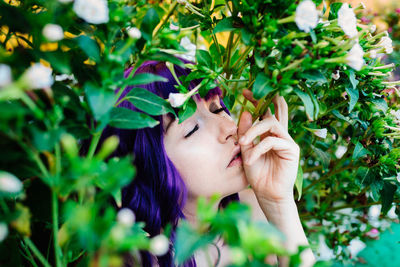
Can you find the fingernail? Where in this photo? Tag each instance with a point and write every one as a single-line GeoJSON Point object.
{"type": "Point", "coordinates": [242, 139]}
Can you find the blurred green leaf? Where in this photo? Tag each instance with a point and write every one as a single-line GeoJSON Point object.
{"type": "Point", "coordinates": [148, 102]}
{"type": "Point", "coordinates": [124, 118]}
{"type": "Point", "coordinates": [261, 86]}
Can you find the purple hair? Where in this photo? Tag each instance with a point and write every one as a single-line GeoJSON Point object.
{"type": "Point", "coordinates": [157, 194]}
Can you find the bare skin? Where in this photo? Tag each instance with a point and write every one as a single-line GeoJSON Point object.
{"type": "Point", "coordinates": [270, 166]}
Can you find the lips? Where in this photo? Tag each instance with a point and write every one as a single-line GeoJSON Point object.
{"type": "Point", "coordinates": [235, 156]}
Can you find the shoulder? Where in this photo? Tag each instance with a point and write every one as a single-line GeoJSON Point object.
{"type": "Point", "coordinates": [248, 197]}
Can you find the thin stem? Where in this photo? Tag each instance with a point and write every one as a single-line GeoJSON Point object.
{"type": "Point", "coordinates": [93, 144]}
{"type": "Point", "coordinates": [35, 251]}
{"type": "Point", "coordinates": [57, 254]}
{"type": "Point", "coordinates": [165, 18]}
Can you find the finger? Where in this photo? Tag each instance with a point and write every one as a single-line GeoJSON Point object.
{"type": "Point", "coordinates": [270, 125]}
{"type": "Point", "coordinates": [245, 124]}
{"type": "Point", "coordinates": [266, 115]}
{"type": "Point", "coordinates": [281, 110]}
{"type": "Point", "coordinates": [283, 148]}
{"type": "Point", "coordinates": [249, 96]}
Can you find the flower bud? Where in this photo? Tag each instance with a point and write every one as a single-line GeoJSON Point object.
{"type": "Point", "coordinates": [108, 147]}
{"type": "Point", "coordinates": [355, 57]}
{"type": "Point", "coordinates": [92, 11]}
{"type": "Point", "coordinates": [3, 231]}
{"type": "Point", "coordinates": [5, 75]}
{"type": "Point", "coordinates": [38, 76]}
{"type": "Point", "coordinates": [9, 184]}
{"type": "Point", "coordinates": [159, 245]}
{"type": "Point", "coordinates": [53, 32]}
{"type": "Point", "coordinates": [126, 217]}
{"type": "Point", "coordinates": [177, 99]}
{"type": "Point", "coordinates": [134, 33]}
{"type": "Point", "coordinates": [69, 144]}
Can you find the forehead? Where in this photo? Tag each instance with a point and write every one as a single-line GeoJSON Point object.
{"type": "Point", "coordinates": [169, 119]}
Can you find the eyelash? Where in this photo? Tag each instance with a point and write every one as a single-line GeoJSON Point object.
{"type": "Point", "coordinates": [197, 126]}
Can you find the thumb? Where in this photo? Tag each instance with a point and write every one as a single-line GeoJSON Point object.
{"type": "Point", "coordinates": [245, 124]}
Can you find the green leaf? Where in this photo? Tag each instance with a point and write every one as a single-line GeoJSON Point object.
{"type": "Point", "coordinates": [145, 78]}
{"type": "Point", "coordinates": [352, 76]}
{"type": "Point", "coordinates": [387, 195]}
{"type": "Point", "coordinates": [354, 95]}
{"type": "Point", "coordinates": [299, 181]}
{"type": "Point", "coordinates": [322, 155]}
{"type": "Point", "coordinates": [308, 103]}
{"type": "Point", "coordinates": [261, 86]}
{"type": "Point", "coordinates": [148, 102]}
{"type": "Point", "coordinates": [124, 118]}
{"type": "Point", "coordinates": [334, 8]}
{"type": "Point", "coordinates": [226, 24]}
{"type": "Point", "coordinates": [204, 58]}
{"type": "Point", "coordinates": [229, 101]}
{"type": "Point", "coordinates": [100, 100]}
{"type": "Point", "coordinates": [89, 46]}
{"type": "Point", "coordinates": [359, 151]}
{"type": "Point", "coordinates": [314, 76]}
{"type": "Point", "coordinates": [380, 103]}
{"type": "Point", "coordinates": [149, 22]}
{"type": "Point", "coordinates": [189, 108]}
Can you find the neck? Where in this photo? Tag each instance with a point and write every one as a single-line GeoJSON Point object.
{"type": "Point", "coordinates": [190, 209]}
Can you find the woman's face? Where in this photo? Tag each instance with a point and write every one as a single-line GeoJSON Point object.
{"type": "Point", "coordinates": [201, 149]}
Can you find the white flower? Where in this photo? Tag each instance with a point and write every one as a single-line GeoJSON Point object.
{"type": "Point", "coordinates": [93, 11]}
{"type": "Point", "coordinates": [398, 177]}
{"type": "Point", "coordinates": [126, 217]}
{"type": "Point", "coordinates": [347, 20]}
{"type": "Point", "coordinates": [159, 245]}
{"type": "Point", "coordinates": [387, 44]}
{"type": "Point", "coordinates": [38, 76]}
{"type": "Point", "coordinates": [336, 75]}
{"type": "Point", "coordinates": [53, 32]}
{"type": "Point", "coordinates": [5, 75]}
{"type": "Point", "coordinates": [177, 99]}
{"type": "Point", "coordinates": [3, 231]}
{"type": "Point", "coordinates": [355, 57]}
{"type": "Point", "coordinates": [321, 133]}
{"type": "Point", "coordinates": [173, 27]}
{"type": "Point", "coordinates": [372, 53]}
{"type": "Point", "coordinates": [65, 1]}
{"type": "Point", "coordinates": [373, 28]}
{"type": "Point", "coordinates": [306, 17]}
{"type": "Point", "coordinates": [189, 47]}
{"type": "Point", "coordinates": [134, 33]}
{"type": "Point", "coordinates": [9, 183]}
{"type": "Point", "coordinates": [340, 151]}
{"type": "Point", "coordinates": [396, 114]}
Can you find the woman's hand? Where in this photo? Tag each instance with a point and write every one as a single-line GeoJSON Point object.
{"type": "Point", "coordinates": [271, 165]}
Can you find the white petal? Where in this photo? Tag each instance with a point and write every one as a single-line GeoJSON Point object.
{"type": "Point", "coordinates": [347, 20]}
{"type": "Point", "coordinates": [306, 16]}
{"type": "Point", "coordinates": [53, 32]}
{"type": "Point", "coordinates": [9, 183]}
{"type": "Point", "coordinates": [159, 245]}
{"type": "Point", "coordinates": [5, 75]}
{"type": "Point", "coordinates": [126, 217]}
{"type": "Point", "coordinates": [93, 11]}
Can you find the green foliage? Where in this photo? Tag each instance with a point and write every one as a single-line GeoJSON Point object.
{"type": "Point", "coordinates": [62, 214]}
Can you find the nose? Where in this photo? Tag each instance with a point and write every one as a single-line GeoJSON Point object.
{"type": "Point", "coordinates": [227, 130]}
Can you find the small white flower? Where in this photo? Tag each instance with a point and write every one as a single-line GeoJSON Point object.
{"type": "Point", "coordinates": [38, 76]}
{"type": "Point", "coordinates": [134, 33]}
{"type": "Point", "coordinates": [9, 183]}
{"type": "Point", "coordinates": [396, 113]}
{"type": "Point", "coordinates": [306, 17]}
{"type": "Point", "coordinates": [189, 47]}
{"type": "Point", "coordinates": [373, 28]}
{"type": "Point", "coordinates": [177, 99]}
{"type": "Point", "coordinates": [355, 57]}
{"type": "Point", "coordinates": [372, 53]}
{"type": "Point", "coordinates": [340, 151]}
{"type": "Point", "coordinates": [126, 217]}
{"type": "Point", "coordinates": [321, 133]}
{"type": "Point", "coordinates": [398, 177]}
{"type": "Point", "coordinates": [5, 75]}
{"type": "Point", "coordinates": [347, 20]}
{"type": "Point", "coordinates": [336, 75]}
{"type": "Point", "coordinates": [3, 231]}
{"type": "Point", "coordinates": [93, 11]}
{"type": "Point", "coordinates": [53, 32]}
{"type": "Point", "coordinates": [174, 27]}
{"type": "Point", "coordinates": [159, 245]}
{"type": "Point", "coordinates": [387, 44]}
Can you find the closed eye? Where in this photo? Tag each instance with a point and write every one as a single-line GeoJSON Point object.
{"type": "Point", "coordinates": [218, 110]}
{"type": "Point", "coordinates": [192, 131]}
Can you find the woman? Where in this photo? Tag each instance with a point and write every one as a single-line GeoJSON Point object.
{"type": "Point", "coordinates": [207, 154]}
